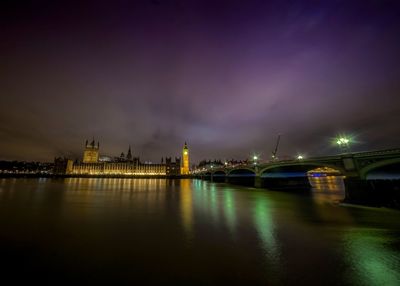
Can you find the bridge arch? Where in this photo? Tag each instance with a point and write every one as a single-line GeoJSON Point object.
{"type": "Point", "coordinates": [367, 169]}
{"type": "Point", "coordinates": [242, 171]}
{"type": "Point", "coordinates": [219, 172]}
{"type": "Point", "coordinates": [303, 166]}
{"type": "Point", "coordinates": [242, 176]}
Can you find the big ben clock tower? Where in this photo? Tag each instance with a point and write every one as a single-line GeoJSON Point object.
{"type": "Point", "coordinates": [185, 160]}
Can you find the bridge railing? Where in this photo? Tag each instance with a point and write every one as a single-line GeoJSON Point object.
{"type": "Point", "coordinates": [362, 154]}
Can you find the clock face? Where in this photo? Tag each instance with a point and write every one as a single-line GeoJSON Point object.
{"type": "Point", "coordinates": [185, 152]}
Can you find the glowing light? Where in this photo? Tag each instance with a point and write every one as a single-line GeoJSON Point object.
{"type": "Point", "coordinates": [342, 141]}
{"type": "Point", "coordinates": [255, 157]}
{"type": "Point", "coordinates": [300, 157]}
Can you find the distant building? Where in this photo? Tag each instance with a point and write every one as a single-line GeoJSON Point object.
{"type": "Point", "coordinates": [91, 153]}
{"type": "Point", "coordinates": [185, 160]}
{"type": "Point", "coordinates": [173, 168]}
{"type": "Point", "coordinates": [23, 167]}
{"type": "Point", "coordinates": [105, 159]}
{"type": "Point", "coordinates": [123, 165]}
{"type": "Point", "coordinates": [60, 165]}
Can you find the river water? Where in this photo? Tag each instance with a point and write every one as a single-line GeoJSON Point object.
{"type": "Point", "coordinates": [191, 232]}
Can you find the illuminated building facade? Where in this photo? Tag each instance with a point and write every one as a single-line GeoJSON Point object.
{"type": "Point", "coordinates": [91, 153]}
{"type": "Point", "coordinates": [117, 168]}
{"type": "Point", "coordinates": [173, 168]}
{"type": "Point", "coordinates": [121, 166]}
{"type": "Point", "coordinates": [185, 160]}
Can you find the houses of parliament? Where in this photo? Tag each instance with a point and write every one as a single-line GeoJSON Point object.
{"type": "Point", "coordinates": [93, 165]}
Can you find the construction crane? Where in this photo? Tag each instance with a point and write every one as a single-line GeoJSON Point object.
{"type": "Point", "coordinates": [276, 147]}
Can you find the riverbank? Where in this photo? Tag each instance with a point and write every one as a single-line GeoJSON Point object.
{"type": "Point", "coordinates": [96, 176]}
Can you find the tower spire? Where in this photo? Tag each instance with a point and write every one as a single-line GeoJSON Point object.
{"type": "Point", "coordinates": [185, 160]}
{"type": "Point", "coordinates": [91, 153]}
{"type": "Point", "coordinates": [129, 155]}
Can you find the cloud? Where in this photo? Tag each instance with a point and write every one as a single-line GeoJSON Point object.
{"type": "Point", "coordinates": [227, 78]}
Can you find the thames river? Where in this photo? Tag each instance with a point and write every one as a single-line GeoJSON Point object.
{"type": "Point", "coordinates": [191, 232]}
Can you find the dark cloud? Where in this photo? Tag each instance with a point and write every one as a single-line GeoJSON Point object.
{"type": "Point", "coordinates": [226, 76]}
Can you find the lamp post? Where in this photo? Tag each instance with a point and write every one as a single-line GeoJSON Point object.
{"type": "Point", "coordinates": [255, 158]}
{"type": "Point", "coordinates": [343, 143]}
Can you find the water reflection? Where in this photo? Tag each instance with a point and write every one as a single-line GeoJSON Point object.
{"type": "Point", "coordinates": [370, 252]}
{"type": "Point", "coordinates": [192, 231]}
{"type": "Point", "coordinates": [266, 229]}
{"type": "Point", "coordinates": [212, 203]}
{"type": "Point", "coordinates": [186, 207]}
{"type": "Point", "coordinates": [327, 189]}
{"type": "Point", "coordinates": [229, 210]}
{"type": "Point", "coordinates": [264, 224]}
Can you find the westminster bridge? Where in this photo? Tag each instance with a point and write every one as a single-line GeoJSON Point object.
{"type": "Point", "coordinates": [293, 174]}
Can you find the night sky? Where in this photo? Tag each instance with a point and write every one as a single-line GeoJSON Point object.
{"type": "Point", "coordinates": [225, 76]}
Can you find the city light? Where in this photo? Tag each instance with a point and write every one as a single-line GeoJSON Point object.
{"type": "Point", "coordinates": [343, 141]}
{"type": "Point", "coordinates": [255, 158]}
{"type": "Point", "coordinates": [300, 157]}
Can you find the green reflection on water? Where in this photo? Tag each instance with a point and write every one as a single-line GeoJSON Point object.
{"type": "Point", "coordinates": [265, 226]}
{"type": "Point", "coordinates": [213, 203]}
{"type": "Point", "coordinates": [371, 257]}
{"type": "Point", "coordinates": [229, 210]}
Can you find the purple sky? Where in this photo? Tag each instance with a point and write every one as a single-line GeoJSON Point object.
{"type": "Point", "coordinates": [226, 76]}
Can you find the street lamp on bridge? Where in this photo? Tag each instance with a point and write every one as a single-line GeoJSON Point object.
{"type": "Point", "coordinates": [344, 143]}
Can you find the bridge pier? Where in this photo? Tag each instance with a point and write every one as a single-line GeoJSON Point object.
{"type": "Point", "coordinates": [207, 177]}
{"type": "Point", "coordinates": [218, 179]}
{"type": "Point", "coordinates": [241, 180]}
{"type": "Point", "coordinates": [372, 192]}
{"type": "Point", "coordinates": [285, 184]}
{"type": "Point", "coordinates": [258, 182]}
